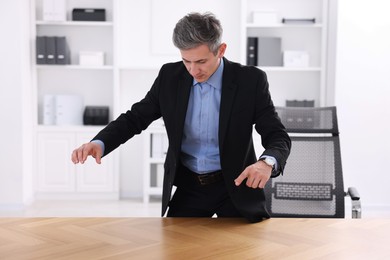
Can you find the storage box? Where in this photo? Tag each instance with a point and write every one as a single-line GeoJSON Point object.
{"type": "Point", "coordinates": [295, 59]}
{"type": "Point", "coordinates": [265, 17]}
{"type": "Point", "coordinates": [54, 10]}
{"type": "Point", "coordinates": [88, 14]}
{"type": "Point", "coordinates": [96, 115]}
{"type": "Point", "coordinates": [91, 58]}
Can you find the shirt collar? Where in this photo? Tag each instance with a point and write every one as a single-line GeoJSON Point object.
{"type": "Point", "coordinates": [215, 80]}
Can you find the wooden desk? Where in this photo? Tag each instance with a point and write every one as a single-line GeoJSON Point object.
{"type": "Point", "coordinates": [190, 238]}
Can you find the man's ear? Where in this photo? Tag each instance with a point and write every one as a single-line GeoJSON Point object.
{"type": "Point", "coordinates": [222, 50]}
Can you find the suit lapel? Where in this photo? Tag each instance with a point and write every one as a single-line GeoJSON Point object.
{"type": "Point", "coordinates": [183, 93]}
{"type": "Point", "coordinates": [227, 98]}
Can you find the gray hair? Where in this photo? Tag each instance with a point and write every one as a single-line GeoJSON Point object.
{"type": "Point", "coordinates": [196, 29]}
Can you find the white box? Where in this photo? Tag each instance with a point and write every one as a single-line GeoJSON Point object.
{"type": "Point", "coordinates": [295, 59]}
{"type": "Point", "coordinates": [54, 10]}
{"type": "Point", "coordinates": [91, 58]}
{"type": "Point", "coordinates": [265, 17]}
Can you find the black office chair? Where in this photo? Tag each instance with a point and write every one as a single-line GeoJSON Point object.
{"type": "Point", "coordinates": [312, 183]}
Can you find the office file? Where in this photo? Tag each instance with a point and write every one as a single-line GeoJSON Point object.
{"type": "Point", "coordinates": [48, 107]}
{"type": "Point", "coordinates": [251, 52]}
{"type": "Point", "coordinates": [62, 51]}
{"type": "Point", "coordinates": [50, 50]}
{"type": "Point", "coordinates": [41, 49]}
{"type": "Point", "coordinates": [270, 51]}
{"type": "Point", "coordinates": [69, 110]}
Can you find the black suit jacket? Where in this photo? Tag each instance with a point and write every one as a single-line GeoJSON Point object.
{"type": "Point", "coordinates": [245, 102]}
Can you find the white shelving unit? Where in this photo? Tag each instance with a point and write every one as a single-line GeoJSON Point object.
{"type": "Point", "coordinates": [156, 144]}
{"type": "Point", "coordinates": [292, 83]}
{"type": "Point", "coordinates": [55, 175]}
{"type": "Point", "coordinates": [130, 68]}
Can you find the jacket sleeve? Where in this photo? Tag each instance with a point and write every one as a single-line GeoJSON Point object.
{"type": "Point", "coordinates": [274, 137]}
{"type": "Point", "coordinates": [132, 122]}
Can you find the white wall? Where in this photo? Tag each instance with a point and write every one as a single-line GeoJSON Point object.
{"type": "Point", "coordinates": [362, 94]}
{"type": "Point", "coordinates": [363, 98]}
{"type": "Point", "coordinates": [15, 130]}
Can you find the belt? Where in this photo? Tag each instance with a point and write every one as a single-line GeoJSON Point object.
{"type": "Point", "coordinates": [209, 178]}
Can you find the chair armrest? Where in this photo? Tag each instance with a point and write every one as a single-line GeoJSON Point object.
{"type": "Point", "coordinates": [356, 206]}
{"type": "Point", "coordinates": [353, 193]}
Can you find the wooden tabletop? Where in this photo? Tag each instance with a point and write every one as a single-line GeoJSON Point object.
{"type": "Point", "coordinates": [193, 238]}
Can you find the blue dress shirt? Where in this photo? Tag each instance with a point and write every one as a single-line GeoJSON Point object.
{"type": "Point", "coordinates": [200, 145]}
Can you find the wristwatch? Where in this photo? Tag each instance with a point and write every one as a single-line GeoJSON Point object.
{"type": "Point", "coordinates": [269, 161]}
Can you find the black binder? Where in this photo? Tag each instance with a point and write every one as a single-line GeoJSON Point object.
{"type": "Point", "coordinates": [62, 51]}
{"type": "Point", "coordinates": [41, 49]}
{"type": "Point", "coordinates": [50, 50]}
{"type": "Point", "coordinates": [252, 47]}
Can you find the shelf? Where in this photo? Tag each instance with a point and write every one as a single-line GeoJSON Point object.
{"type": "Point", "coordinates": [282, 25]}
{"type": "Point", "coordinates": [74, 23]}
{"type": "Point", "coordinates": [154, 191]}
{"type": "Point", "coordinates": [75, 67]}
{"type": "Point", "coordinates": [135, 67]}
{"type": "Point", "coordinates": [292, 69]}
{"type": "Point", "coordinates": [68, 128]}
{"type": "Point", "coordinates": [156, 160]}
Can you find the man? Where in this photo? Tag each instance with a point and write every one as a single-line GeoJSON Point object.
{"type": "Point", "coordinates": [209, 106]}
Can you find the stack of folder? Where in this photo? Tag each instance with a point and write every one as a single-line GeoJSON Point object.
{"type": "Point", "coordinates": [52, 50]}
{"type": "Point", "coordinates": [264, 51]}
{"type": "Point", "coordinates": [63, 109]}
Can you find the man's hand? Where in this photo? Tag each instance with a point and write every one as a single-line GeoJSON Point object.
{"type": "Point", "coordinates": [256, 174]}
{"type": "Point", "coordinates": [80, 154]}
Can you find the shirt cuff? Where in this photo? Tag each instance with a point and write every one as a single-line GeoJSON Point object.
{"type": "Point", "coordinates": [99, 142]}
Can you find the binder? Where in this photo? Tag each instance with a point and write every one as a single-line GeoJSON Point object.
{"type": "Point", "coordinates": [62, 51]}
{"type": "Point", "coordinates": [252, 45]}
{"type": "Point", "coordinates": [49, 113]}
{"type": "Point", "coordinates": [69, 110]}
{"type": "Point", "coordinates": [50, 50]}
{"type": "Point", "coordinates": [270, 51]}
{"type": "Point", "coordinates": [41, 49]}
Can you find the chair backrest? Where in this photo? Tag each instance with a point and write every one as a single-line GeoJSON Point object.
{"type": "Point", "coordinates": [312, 182]}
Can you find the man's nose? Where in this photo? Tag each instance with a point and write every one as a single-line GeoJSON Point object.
{"type": "Point", "coordinates": [193, 69]}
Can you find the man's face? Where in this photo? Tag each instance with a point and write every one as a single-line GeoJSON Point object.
{"type": "Point", "coordinates": [200, 62]}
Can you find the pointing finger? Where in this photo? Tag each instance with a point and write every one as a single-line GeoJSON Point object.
{"type": "Point", "coordinates": [240, 178]}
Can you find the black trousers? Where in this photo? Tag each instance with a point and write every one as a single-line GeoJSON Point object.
{"type": "Point", "coordinates": [192, 199]}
